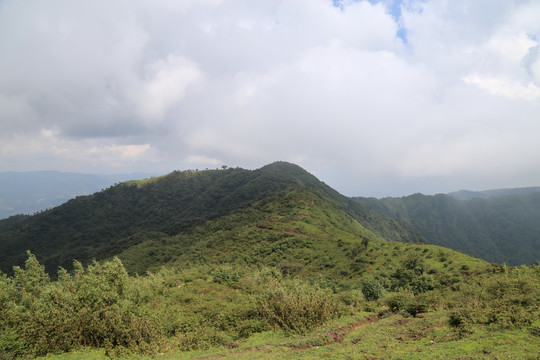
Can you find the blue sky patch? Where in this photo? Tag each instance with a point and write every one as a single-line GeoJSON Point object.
{"type": "Point", "coordinates": [393, 7]}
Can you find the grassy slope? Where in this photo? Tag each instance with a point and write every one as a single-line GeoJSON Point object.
{"type": "Point", "coordinates": [393, 337]}
{"type": "Point", "coordinates": [311, 232]}
{"type": "Point", "coordinates": [301, 229]}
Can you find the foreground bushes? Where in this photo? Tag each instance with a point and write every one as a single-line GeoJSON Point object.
{"type": "Point", "coordinates": [102, 307]}
{"type": "Point", "coordinates": [201, 307]}
{"type": "Point", "coordinates": [91, 307]}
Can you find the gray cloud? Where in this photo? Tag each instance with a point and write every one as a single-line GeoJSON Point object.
{"type": "Point", "coordinates": [160, 85]}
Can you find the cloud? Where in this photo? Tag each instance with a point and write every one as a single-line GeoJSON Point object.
{"type": "Point", "coordinates": [202, 160]}
{"type": "Point", "coordinates": [167, 84]}
{"type": "Point", "coordinates": [161, 85]}
{"type": "Point", "coordinates": [501, 86]}
{"type": "Point", "coordinates": [51, 150]}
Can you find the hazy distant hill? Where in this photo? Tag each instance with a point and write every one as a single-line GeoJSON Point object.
{"type": "Point", "coordinates": [469, 195]}
{"type": "Point", "coordinates": [30, 192]}
{"type": "Point", "coordinates": [108, 222]}
{"type": "Point", "coordinates": [492, 225]}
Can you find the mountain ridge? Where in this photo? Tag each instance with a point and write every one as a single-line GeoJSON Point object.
{"type": "Point", "coordinates": [105, 223]}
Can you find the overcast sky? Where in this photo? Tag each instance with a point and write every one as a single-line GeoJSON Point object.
{"type": "Point", "coordinates": [376, 98]}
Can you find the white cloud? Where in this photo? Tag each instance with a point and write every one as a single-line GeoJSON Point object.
{"type": "Point", "coordinates": [511, 47]}
{"type": "Point", "coordinates": [165, 84]}
{"type": "Point", "coordinates": [26, 152]}
{"type": "Point", "coordinates": [202, 160]}
{"type": "Point", "coordinates": [501, 86]}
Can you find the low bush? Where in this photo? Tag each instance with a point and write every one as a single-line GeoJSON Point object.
{"type": "Point", "coordinates": [372, 289]}
{"type": "Point", "coordinates": [296, 307]}
{"type": "Point", "coordinates": [506, 300]}
{"type": "Point", "coordinates": [92, 307]}
{"type": "Point", "coordinates": [398, 301]}
{"type": "Point", "coordinates": [226, 274]}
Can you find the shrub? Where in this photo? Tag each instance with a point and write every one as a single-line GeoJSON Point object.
{"type": "Point", "coordinates": [226, 274]}
{"type": "Point", "coordinates": [535, 328]}
{"type": "Point", "coordinates": [372, 289]}
{"type": "Point", "coordinates": [506, 300]}
{"type": "Point", "coordinates": [416, 306]}
{"type": "Point", "coordinates": [352, 298]}
{"type": "Point", "coordinates": [421, 284]}
{"type": "Point", "coordinates": [288, 268]}
{"type": "Point", "coordinates": [415, 263]}
{"type": "Point", "coordinates": [90, 308]}
{"type": "Point", "coordinates": [295, 306]}
{"type": "Point", "coordinates": [398, 301]}
{"type": "Point", "coordinates": [202, 338]}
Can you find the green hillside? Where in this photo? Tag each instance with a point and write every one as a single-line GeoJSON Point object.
{"type": "Point", "coordinates": [268, 264]}
{"type": "Point", "coordinates": [499, 228]}
{"type": "Point", "coordinates": [106, 223]}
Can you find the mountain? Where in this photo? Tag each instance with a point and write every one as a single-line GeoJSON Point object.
{"type": "Point", "coordinates": [232, 263]}
{"type": "Point", "coordinates": [498, 226]}
{"type": "Point", "coordinates": [31, 192]}
{"type": "Point", "coordinates": [109, 222]}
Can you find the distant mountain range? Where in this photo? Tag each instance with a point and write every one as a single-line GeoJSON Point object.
{"type": "Point", "coordinates": [26, 193]}
{"type": "Point", "coordinates": [469, 195]}
{"type": "Point", "coordinates": [31, 192]}
{"type": "Point", "coordinates": [501, 226]}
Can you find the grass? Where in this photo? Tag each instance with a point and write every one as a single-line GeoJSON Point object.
{"type": "Point", "coordinates": [365, 336]}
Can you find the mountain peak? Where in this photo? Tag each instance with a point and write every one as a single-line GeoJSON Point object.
{"type": "Point", "coordinates": [108, 222]}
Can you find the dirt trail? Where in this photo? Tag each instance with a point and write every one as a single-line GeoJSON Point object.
{"type": "Point", "coordinates": [336, 335]}
{"type": "Point", "coordinates": [339, 334]}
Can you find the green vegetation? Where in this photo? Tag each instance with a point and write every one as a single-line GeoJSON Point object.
{"type": "Point", "coordinates": [106, 223]}
{"type": "Point", "coordinates": [294, 272]}
{"type": "Point", "coordinates": [501, 229]}
{"type": "Point", "coordinates": [93, 307]}
{"type": "Point", "coordinates": [258, 312]}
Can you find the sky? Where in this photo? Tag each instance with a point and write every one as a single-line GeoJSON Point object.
{"type": "Point", "coordinates": [375, 98]}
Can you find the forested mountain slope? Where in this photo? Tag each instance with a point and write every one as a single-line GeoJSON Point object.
{"type": "Point", "coordinates": [501, 229]}
{"type": "Point", "coordinates": [108, 222]}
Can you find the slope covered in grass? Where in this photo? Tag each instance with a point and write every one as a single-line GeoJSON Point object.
{"type": "Point", "coordinates": [428, 302]}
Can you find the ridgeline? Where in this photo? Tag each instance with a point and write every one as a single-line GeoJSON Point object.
{"type": "Point", "coordinates": [106, 223]}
